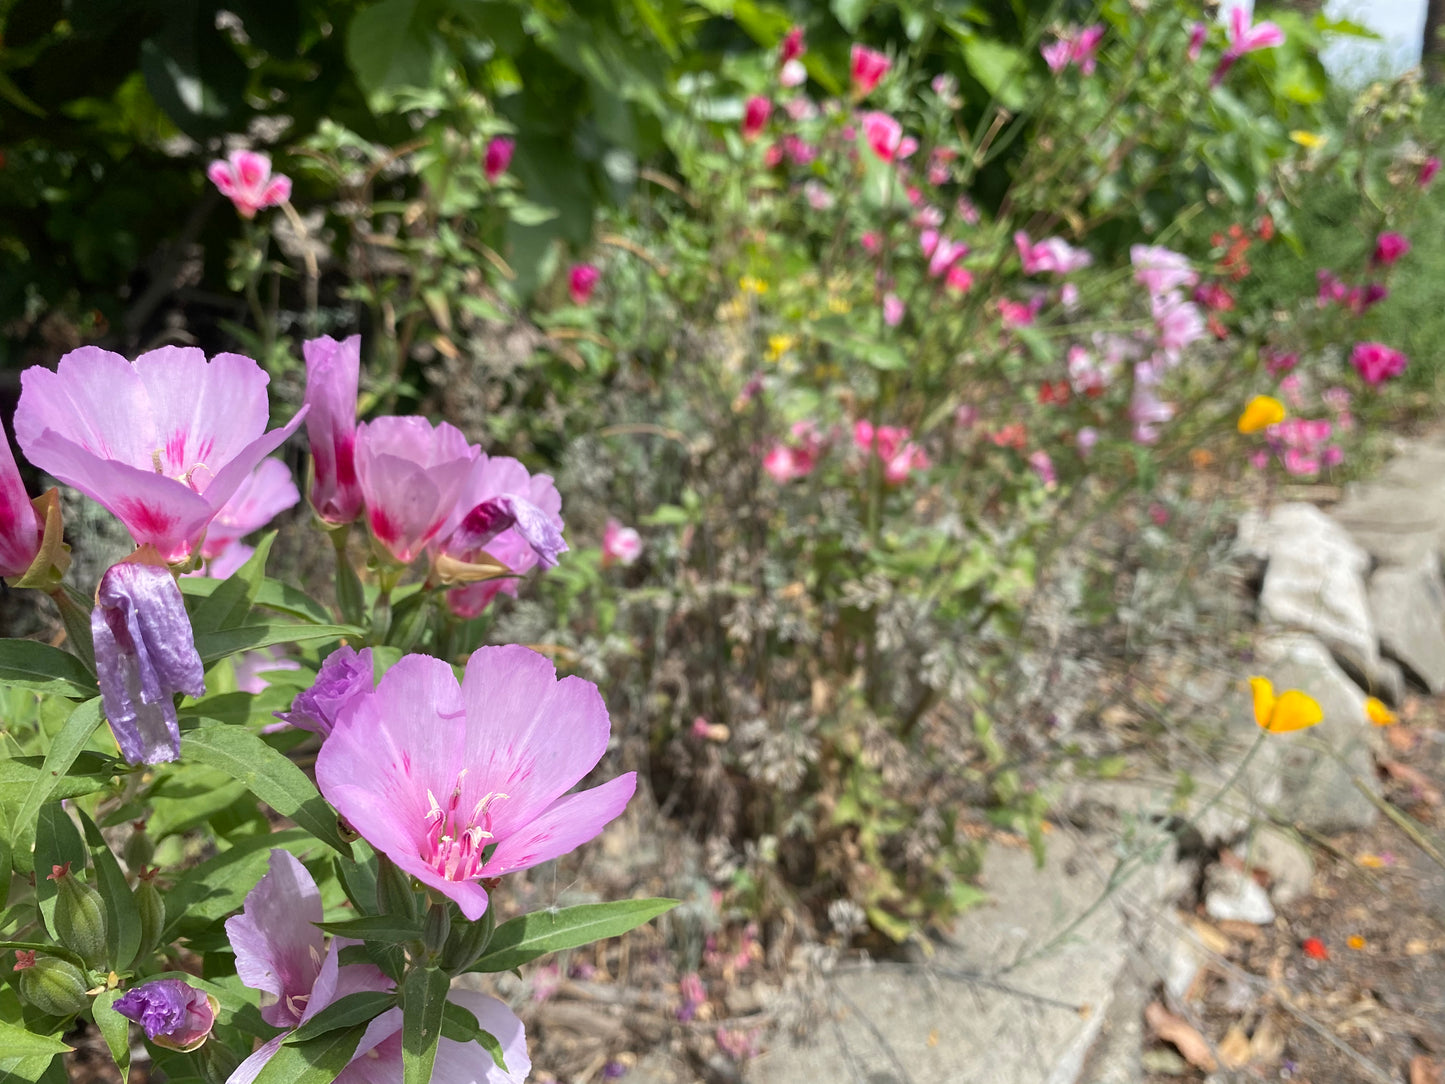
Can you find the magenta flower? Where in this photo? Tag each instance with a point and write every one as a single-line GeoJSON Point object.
{"type": "Point", "coordinates": [411, 473]}
{"type": "Point", "coordinates": [1376, 362]}
{"type": "Point", "coordinates": [507, 513]}
{"type": "Point", "coordinates": [959, 279]}
{"type": "Point", "coordinates": [498, 157]}
{"type": "Point", "coordinates": [145, 653]}
{"type": "Point", "coordinates": [1389, 247]}
{"type": "Point", "coordinates": [1198, 35]}
{"type": "Point", "coordinates": [244, 178]}
{"type": "Point", "coordinates": [163, 443]}
{"type": "Point", "coordinates": [1179, 323]}
{"type": "Point", "coordinates": [792, 46]}
{"type": "Point", "coordinates": [795, 458]}
{"type": "Point", "coordinates": [436, 776]}
{"type": "Point", "coordinates": [893, 309]}
{"type": "Point", "coordinates": [1074, 46]}
{"type": "Point", "coordinates": [1244, 38]}
{"type": "Point", "coordinates": [174, 1014]}
{"type": "Point", "coordinates": [1053, 254]}
{"type": "Point", "coordinates": [333, 374]}
{"type": "Point", "coordinates": [867, 68]}
{"type": "Point", "coordinates": [755, 116]}
{"type": "Point", "coordinates": [1160, 270]}
{"type": "Point", "coordinates": [581, 281]}
{"type": "Point", "coordinates": [1056, 54]}
{"type": "Point", "coordinates": [344, 676]}
{"type": "Point", "coordinates": [883, 133]}
{"type": "Point", "coordinates": [620, 545]}
{"type": "Point", "coordinates": [20, 526]}
{"type": "Point", "coordinates": [1428, 169]}
{"type": "Point", "coordinates": [266, 492]}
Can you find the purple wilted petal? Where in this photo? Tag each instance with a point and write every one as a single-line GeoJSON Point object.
{"type": "Point", "coordinates": [145, 653]}
{"type": "Point", "coordinates": [512, 514]}
{"type": "Point", "coordinates": [432, 773]}
{"type": "Point", "coordinates": [173, 1013]}
{"type": "Point", "coordinates": [490, 518]}
{"type": "Point", "coordinates": [333, 374]}
{"type": "Point", "coordinates": [345, 675]}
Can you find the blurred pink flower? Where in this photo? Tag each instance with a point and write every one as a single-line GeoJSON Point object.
{"type": "Point", "coordinates": [892, 309]}
{"type": "Point", "coordinates": [883, 133]}
{"type": "Point", "coordinates": [498, 157]}
{"type": "Point", "coordinates": [959, 279]}
{"type": "Point", "coordinates": [1085, 439]}
{"type": "Point", "coordinates": [792, 45]}
{"type": "Point", "coordinates": [867, 68]}
{"type": "Point", "coordinates": [817, 195]}
{"type": "Point", "coordinates": [620, 545]}
{"type": "Point", "coordinates": [694, 995]}
{"type": "Point", "coordinates": [1278, 362]}
{"type": "Point", "coordinates": [265, 493]}
{"type": "Point", "coordinates": [1019, 313]}
{"type": "Point", "coordinates": [1160, 270]}
{"type": "Point", "coordinates": [1053, 254]}
{"type": "Point", "coordinates": [1198, 35]}
{"type": "Point", "coordinates": [1376, 362]}
{"type": "Point", "coordinates": [244, 178]}
{"type": "Point", "coordinates": [1179, 323]}
{"type": "Point", "coordinates": [871, 241]}
{"type": "Point", "coordinates": [1243, 39]}
{"type": "Point", "coordinates": [1389, 247]}
{"type": "Point", "coordinates": [755, 117]}
{"type": "Point", "coordinates": [1074, 46]}
{"type": "Point", "coordinates": [1147, 411]}
{"type": "Point", "coordinates": [20, 526]}
{"type": "Point", "coordinates": [1428, 169]}
{"type": "Point", "coordinates": [581, 281]}
{"type": "Point", "coordinates": [793, 73]}
{"type": "Point", "coordinates": [1043, 466]}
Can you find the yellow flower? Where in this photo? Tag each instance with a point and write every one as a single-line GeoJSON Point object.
{"type": "Point", "coordinates": [750, 284]}
{"type": "Point", "coordinates": [1262, 412]}
{"type": "Point", "coordinates": [1378, 714]}
{"type": "Point", "coordinates": [1308, 140]}
{"type": "Point", "coordinates": [839, 305]}
{"type": "Point", "coordinates": [778, 345]}
{"type": "Point", "coordinates": [1291, 710]}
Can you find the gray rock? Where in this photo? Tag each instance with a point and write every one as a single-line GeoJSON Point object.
{"type": "Point", "coordinates": [1315, 582]}
{"type": "Point", "coordinates": [1408, 606]}
{"type": "Point", "coordinates": [1232, 895]}
{"type": "Point", "coordinates": [1399, 515]}
{"type": "Point", "coordinates": [1289, 863]}
{"type": "Point", "coordinates": [1308, 777]}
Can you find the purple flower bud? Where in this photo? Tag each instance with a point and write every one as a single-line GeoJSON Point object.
{"type": "Point", "coordinates": [345, 675]}
{"type": "Point", "coordinates": [175, 1015]}
{"type": "Point", "coordinates": [145, 653]}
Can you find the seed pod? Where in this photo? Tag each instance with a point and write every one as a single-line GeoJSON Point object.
{"type": "Point", "coordinates": [152, 909]}
{"type": "Point", "coordinates": [394, 894]}
{"type": "Point", "coordinates": [467, 942]}
{"type": "Point", "coordinates": [79, 917]}
{"type": "Point", "coordinates": [54, 986]}
{"type": "Point", "coordinates": [139, 848]}
{"type": "Point", "coordinates": [438, 926]}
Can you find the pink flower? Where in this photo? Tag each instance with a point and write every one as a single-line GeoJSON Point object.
{"type": "Point", "coordinates": [1085, 439]}
{"type": "Point", "coordinates": [1160, 270]}
{"type": "Point", "coordinates": [1052, 254]}
{"type": "Point", "coordinates": [1389, 247]}
{"type": "Point", "coordinates": [581, 281]}
{"type": "Point", "coordinates": [1087, 375]}
{"type": "Point", "coordinates": [1043, 466]}
{"type": "Point", "coordinates": [1244, 38]}
{"type": "Point", "coordinates": [1147, 411]}
{"type": "Point", "coordinates": [793, 73]}
{"type": "Point", "coordinates": [755, 117]}
{"type": "Point", "coordinates": [20, 526]}
{"type": "Point", "coordinates": [1056, 54]}
{"type": "Point", "coordinates": [266, 492]}
{"type": "Point", "coordinates": [1376, 362]}
{"type": "Point", "coordinates": [785, 462]}
{"type": "Point", "coordinates": [227, 563]}
{"type": "Point", "coordinates": [163, 443]}
{"type": "Point", "coordinates": [942, 252]}
{"type": "Point", "coordinates": [244, 178]}
{"type": "Point", "coordinates": [620, 545]}
{"type": "Point", "coordinates": [892, 445]}
{"type": "Point", "coordinates": [792, 45]}
{"type": "Point", "coordinates": [892, 309]}
{"type": "Point", "coordinates": [1074, 46]}
{"type": "Point", "coordinates": [1179, 323]}
{"type": "Point", "coordinates": [817, 195]}
{"type": "Point", "coordinates": [1278, 362]}
{"type": "Point", "coordinates": [868, 67]}
{"type": "Point", "coordinates": [333, 373]}
{"type": "Point", "coordinates": [1019, 313]}
{"type": "Point", "coordinates": [1428, 169]}
{"type": "Point", "coordinates": [1198, 35]}
{"type": "Point", "coordinates": [800, 151]}
{"type": "Point", "coordinates": [883, 133]}
{"type": "Point", "coordinates": [378, 1057]}
{"type": "Point", "coordinates": [411, 474]}
{"type": "Point", "coordinates": [250, 666]}
{"type": "Point", "coordinates": [959, 279]}
{"type": "Point", "coordinates": [498, 157]}
{"type": "Point", "coordinates": [871, 242]}
{"type": "Point", "coordinates": [456, 783]}
{"type": "Point", "coordinates": [345, 676]}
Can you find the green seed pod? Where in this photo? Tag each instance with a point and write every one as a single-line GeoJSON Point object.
{"type": "Point", "coordinates": [79, 918]}
{"type": "Point", "coordinates": [139, 848]}
{"type": "Point", "coordinates": [152, 910]}
{"type": "Point", "coordinates": [438, 926]}
{"type": "Point", "coordinates": [54, 986]}
{"type": "Point", "coordinates": [394, 894]}
{"type": "Point", "coordinates": [467, 942]}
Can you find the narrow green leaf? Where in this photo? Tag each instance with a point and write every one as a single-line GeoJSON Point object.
{"type": "Point", "coordinates": [423, 1004]}
{"type": "Point", "coordinates": [460, 1025]}
{"type": "Point", "coordinates": [526, 937]}
{"type": "Point", "coordinates": [266, 774]}
{"type": "Point", "coordinates": [16, 1042]}
{"type": "Point", "coordinates": [386, 928]}
{"type": "Point", "coordinates": [114, 1029]}
{"type": "Point", "coordinates": [219, 885]}
{"type": "Point", "coordinates": [272, 595]}
{"type": "Point", "coordinates": [221, 642]}
{"type": "Point", "coordinates": [34, 665]}
{"type": "Point", "coordinates": [121, 917]}
{"type": "Point", "coordinates": [31, 1070]}
{"type": "Point", "coordinates": [229, 605]}
{"type": "Point", "coordinates": [63, 750]}
{"type": "Point", "coordinates": [358, 1008]}
{"type": "Point", "coordinates": [90, 772]}
{"type": "Point", "coordinates": [43, 947]}
{"type": "Point", "coordinates": [57, 841]}
{"type": "Point", "coordinates": [318, 1061]}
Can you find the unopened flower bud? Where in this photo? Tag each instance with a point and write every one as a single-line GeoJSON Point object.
{"type": "Point", "coordinates": [438, 926]}
{"type": "Point", "coordinates": [139, 848]}
{"type": "Point", "coordinates": [79, 917]}
{"type": "Point", "coordinates": [467, 942]}
{"type": "Point", "coordinates": [394, 893]}
{"type": "Point", "coordinates": [53, 986]}
{"type": "Point", "coordinates": [152, 910]}
{"type": "Point", "coordinates": [175, 1015]}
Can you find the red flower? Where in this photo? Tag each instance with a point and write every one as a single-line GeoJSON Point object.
{"type": "Point", "coordinates": [1314, 948]}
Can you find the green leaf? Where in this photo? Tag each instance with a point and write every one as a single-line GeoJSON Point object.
{"type": "Point", "coordinates": [523, 939]}
{"type": "Point", "coordinates": [57, 841]}
{"type": "Point", "coordinates": [997, 67]}
{"type": "Point", "coordinates": [266, 774]}
{"type": "Point", "coordinates": [64, 748]}
{"type": "Point", "coordinates": [230, 603]}
{"type": "Point", "coordinates": [272, 595]}
{"type": "Point", "coordinates": [90, 772]}
{"type": "Point", "coordinates": [114, 1029]}
{"type": "Point", "coordinates": [358, 1008]}
{"type": "Point", "coordinates": [387, 47]}
{"type": "Point", "coordinates": [460, 1025]}
{"type": "Point", "coordinates": [423, 1003]}
{"type": "Point", "coordinates": [221, 642]}
{"type": "Point", "coordinates": [850, 13]}
{"type": "Point", "coordinates": [16, 1042]}
{"type": "Point", "coordinates": [32, 1070]}
{"type": "Point", "coordinates": [386, 928]}
{"type": "Point", "coordinates": [318, 1061]}
{"type": "Point", "coordinates": [33, 665]}
{"type": "Point", "coordinates": [121, 916]}
{"type": "Point", "coordinates": [219, 885]}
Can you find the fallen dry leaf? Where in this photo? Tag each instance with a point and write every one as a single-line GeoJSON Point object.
{"type": "Point", "coordinates": [1415, 779]}
{"type": "Point", "coordinates": [1425, 1070]}
{"type": "Point", "coordinates": [1210, 936]}
{"type": "Point", "coordinates": [1240, 931]}
{"type": "Point", "coordinates": [1175, 1030]}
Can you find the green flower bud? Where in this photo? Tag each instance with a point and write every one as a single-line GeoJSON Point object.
{"type": "Point", "coordinates": [438, 926]}
{"type": "Point", "coordinates": [152, 909]}
{"type": "Point", "coordinates": [54, 986]}
{"type": "Point", "coordinates": [139, 848]}
{"type": "Point", "coordinates": [394, 894]}
{"type": "Point", "coordinates": [467, 942]}
{"type": "Point", "coordinates": [79, 917]}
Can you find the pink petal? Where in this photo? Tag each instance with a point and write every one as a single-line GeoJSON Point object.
{"type": "Point", "coordinates": [251, 1068]}
{"type": "Point", "coordinates": [565, 825]}
{"type": "Point", "coordinates": [459, 1063]}
{"type": "Point", "coordinates": [202, 412]}
{"type": "Point", "coordinates": [223, 177]}
{"type": "Point", "coordinates": [92, 399]}
{"type": "Point", "coordinates": [251, 168]}
{"type": "Point", "coordinates": [265, 493]}
{"type": "Point", "coordinates": [277, 944]}
{"type": "Point", "coordinates": [277, 192]}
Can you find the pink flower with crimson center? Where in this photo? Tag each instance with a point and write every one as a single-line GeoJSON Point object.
{"type": "Point", "coordinates": [867, 67]}
{"type": "Point", "coordinates": [460, 782]}
{"type": "Point", "coordinates": [1376, 362]}
{"type": "Point", "coordinates": [1389, 247]}
{"type": "Point", "coordinates": [411, 474]}
{"type": "Point", "coordinates": [498, 157]}
{"type": "Point", "coordinates": [755, 116]}
{"type": "Point", "coordinates": [244, 178]}
{"type": "Point", "coordinates": [333, 374]}
{"type": "Point", "coordinates": [163, 443]}
{"type": "Point", "coordinates": [883, 133]}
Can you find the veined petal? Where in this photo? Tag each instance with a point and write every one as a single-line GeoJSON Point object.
{"type": "Point", "coordinates": [201, 411]}
{"type": "Point", "coordinates": [251, 1068]}
{"type": "Point", "coordinates": [567, 824]}
{"type": "Point", "coordinates": [94, 400]}
{"type": "Point", "coordinates": [276, 940]}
